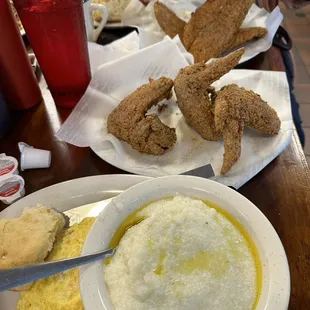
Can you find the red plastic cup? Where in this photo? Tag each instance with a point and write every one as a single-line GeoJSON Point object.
{"type": "Point", "coordinates": [56, 32]}
{"type": "Point", "coordinates": [18, 83]}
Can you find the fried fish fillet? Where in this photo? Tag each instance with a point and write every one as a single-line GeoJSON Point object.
{"type": "Point", "coordinates": [213, 26]}
{"type": "Point", "coordinates": [192, 88]}
{"type": "Point", "coordinates": [247, 34]}
{"type": "Point", "coordinates": [144, 133]}
{"type": "Point", "coordinates": [171, 24]}
{"type": "Point", "coordinates": [235, 108]}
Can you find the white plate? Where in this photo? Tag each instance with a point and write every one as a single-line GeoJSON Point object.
{"type": "Point", "coordinates": [110, 25]}
{"type": "Point", "coordinates": [275, 291]}
{"type": "Point", "coordinates": [190, 151]}
{"type": "Point", "coordinates": [65, 196]}
{"type": "Point", "coordinates": [117, 162]}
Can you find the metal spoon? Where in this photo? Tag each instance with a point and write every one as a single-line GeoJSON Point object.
{"type": "Point", "coordinates": [13, 277]}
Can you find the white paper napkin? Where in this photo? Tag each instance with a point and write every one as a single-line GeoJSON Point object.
{"type": "Point", "coordinates": [142, 17]}
{"type": "Point", "coordinates": [86, 126]}
{"type": "Point", "coordinates": [99, 54]}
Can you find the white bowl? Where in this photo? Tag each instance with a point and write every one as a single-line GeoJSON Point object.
{"type": "Point", "coordinates": [275, 291]}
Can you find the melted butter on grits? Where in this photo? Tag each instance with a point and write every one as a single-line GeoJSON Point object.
{"type": "Point", "coordinates": [183, 253]}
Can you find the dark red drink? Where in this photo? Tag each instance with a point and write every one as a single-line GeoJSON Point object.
{"type": "Point", "coordinates": [56, 31]}
{"type": "Point", "coordinates": [17, 80]}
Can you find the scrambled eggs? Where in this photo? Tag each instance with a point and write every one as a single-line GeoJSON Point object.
{"type": "Point", "coordinates": [59, 291]}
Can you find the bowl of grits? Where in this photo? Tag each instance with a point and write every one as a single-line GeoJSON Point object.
{"type": "Point", "coordinates": [184, 243]}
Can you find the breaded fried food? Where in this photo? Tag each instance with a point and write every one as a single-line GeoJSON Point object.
{"type": "Point", "coordinates": [234, 102]}
{"type": "Point", "coordinates": [208, 46]}
{"type": "Point", "coordinates": [60, 291]}
{"type": "Point", "coordinates": [192, 88]}
{"type": "Point", "coordinates": [28, 238]}
{"type": "Point", "coordinates": [236, 107]}
{"type": "Point", "coordinates": [248, 34]}
{"type": "Point", "coordinates": [232, 135]}
{"type": "Point", "coordinates": [197, 109]}
{"type": "Point", "coordinates": [213, 27]}
{"type": "Point", "coordinates": [128, 121]}
{"type": "Point", "coordinates": [171, 24]}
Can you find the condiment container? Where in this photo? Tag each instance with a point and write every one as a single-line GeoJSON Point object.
{"type": "Point", "coordinates": [12, 188]}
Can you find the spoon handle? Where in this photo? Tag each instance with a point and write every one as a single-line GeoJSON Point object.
{"type": "Point", "coordinates": [13, 277]}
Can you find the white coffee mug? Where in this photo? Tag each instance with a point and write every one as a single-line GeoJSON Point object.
{"type": "Point", "coordinates": [92, 33]}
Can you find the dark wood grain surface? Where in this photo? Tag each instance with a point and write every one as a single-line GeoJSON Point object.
{"type": "Point", "coordinates": [281, 190]}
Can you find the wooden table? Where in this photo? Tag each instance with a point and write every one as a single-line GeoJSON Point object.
{"type": "Point", "coordinates": [281, 190]}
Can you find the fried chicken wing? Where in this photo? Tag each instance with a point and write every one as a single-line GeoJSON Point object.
{"type": "Point", "coordinates": [236, 107]}
{"type": "Point", "coordinates": [197, 110]}
{"type": "Point", "coordinates": [192, 88]}
{"type": "Point", "coordinates": [232, 134]}
{"type": "Point", "coordinates": [144, 133]}
{"type": "Point", "coordinates": [205, 74]}
{"type": "Point", "coordinates": [233, 102]}
{"type": "Point", "coordinates": [247, 34]}
{"type": "Point", "coordinates": [213, 26]}
{"type": "Point", "coordinates": [167, 20]}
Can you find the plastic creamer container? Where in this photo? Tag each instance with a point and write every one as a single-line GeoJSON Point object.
{"type": "Point", "coordinates": [12, 186]}
{"type": "Point", "coordinates": [8, 165]}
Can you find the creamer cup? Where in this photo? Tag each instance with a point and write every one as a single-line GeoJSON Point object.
{"type": "Point", "coordinates": [32, 158]}
{"type": "Point", "coordinates": [8, 165]}
{"type": "Point", "coordinates": [12, 188]}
